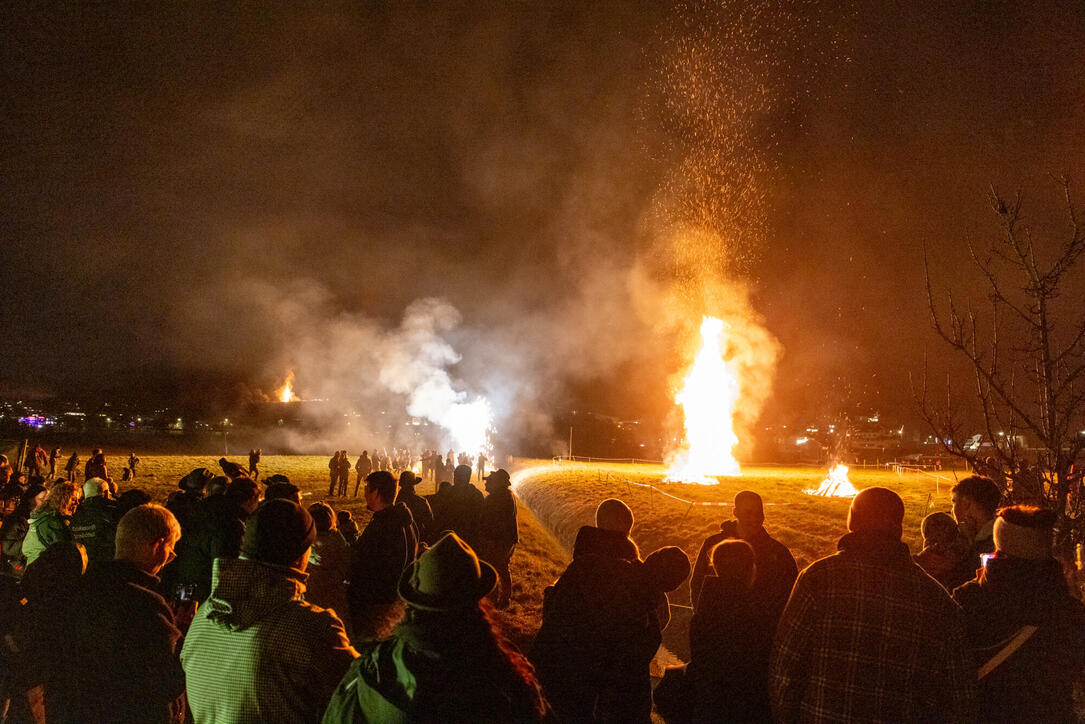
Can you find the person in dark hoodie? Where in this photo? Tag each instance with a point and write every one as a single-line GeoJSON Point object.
{"type": "Point", "coordinates": [1026, 632]}
{"type": "Point", "coordinates": [446, 662]}
{"type": "Point", "coordinates": [217, 533]}
{"type": "Point", "coordinates": [118, 618]}
{"type": "Point", "coordinates": [387, 546]}
{"type": "Point", "coordinates": [776, 568]}
{"type": "Point", "coordinates": [602, 623]}
{"type": "Point", "coordinates": [498, 534]}
{"type": "Point", "coordinates": [420, 510]}
{"type": "Point", "coordinates": [256, 651]}
{"type": "Point", "coordinates": [730, 635]}
{"type": "Point", "coordinates": [461, 509]}
{"type": "Point", "coordinates": [94, 524]}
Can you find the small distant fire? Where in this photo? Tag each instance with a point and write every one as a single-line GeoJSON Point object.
{"type": "Point", "coordinates": [286, 392]}
{"type": "Point", "coordinates": [836, 484]}
{"type": "Point", "coordinates": [708, 398]}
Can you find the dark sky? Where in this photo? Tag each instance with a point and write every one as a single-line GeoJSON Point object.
{"type": "Point", "coordinates": [189, 188]}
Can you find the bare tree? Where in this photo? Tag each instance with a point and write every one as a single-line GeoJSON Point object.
{"type": "Point", "coordinates": [1027, 353]}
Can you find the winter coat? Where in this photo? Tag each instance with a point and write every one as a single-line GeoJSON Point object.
{"type": "Point", "coordinates": [597, 541]}
{"type": "Point", "coordinates": [460, 510]}
{"type": "Point", "coordinates": [95, 526]}
{"type": "Point", "coordinates": [217, 533]}
{"type": "Point", "coordinates": [598, 635]}
{"type": "Point", "coordinates": [420, 511]}
{"type": "Point", "coordinates": [329, 565]}
{"type": "Point", "coordinates": [386, 546]}
{"type": "Point", "coordinates": [119, 618]}
{"type": "Point", "coordinates": [257, 653]}
{"type": "Point", "coordinates": [1036, 683]}
{"type": "Point", "coordinates": [776, 568]}
{"type": "Point", "coordinates": [46, 528]}
{"type": "Point", "coordinates": [409, 679]}
{"type": "Point", "coordinates": [868, 636]}
{"type": "Point", "coordinates": [946, 565]}
{"type": "Point", "coordinates": [730, 639]}
{"type": "Point", "coordinates": [498, 519]}
{"type": "Point", "coordinates": [185, 506]}
{"type": "Point", "coordinates": [12, 534]}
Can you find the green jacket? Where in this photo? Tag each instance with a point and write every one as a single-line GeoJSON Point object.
{"type": "Point", "coordinates": [406, 679]}
{"type": "Point", "coordinates": [46, 528]}
{"type": "Point", "coordinates": [95, 526]}
{"type": "Point", "coordinates": [257, 653]}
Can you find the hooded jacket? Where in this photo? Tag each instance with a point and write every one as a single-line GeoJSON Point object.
{"type": "Point", "coordinates": [46, 528]}
{"type": "Point", "coordinates": [257, 653]}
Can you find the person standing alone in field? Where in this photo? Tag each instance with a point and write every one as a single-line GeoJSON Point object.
{"type": "Point", "coordinates": [775, 566]}
{"type": "Point", "coordinates": [71, 468]}
{"type": "Point", "coordinates": [254, 463]}
{"type": "Point", "coordinates": [867, 635]}
{"type": "Point", "coordinates": [54, 455]}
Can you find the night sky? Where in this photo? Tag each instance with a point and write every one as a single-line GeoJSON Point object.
{"type": "Point", "coordinates": [192, 191]}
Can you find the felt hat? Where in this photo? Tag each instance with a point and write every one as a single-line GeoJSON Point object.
{"type": "Point", "coordinates": [279, 532]}
{"type": "Point", "coordinates": [448, 576]}
{"type": "Point", "coordinates": [276, 478]}
{"type": "Point", "coordinates": [196, 480]}
{"type": "Point", "coordinates": [499, 477]}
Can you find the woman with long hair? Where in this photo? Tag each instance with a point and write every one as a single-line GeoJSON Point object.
{"type": "Point", "coordinates": [49, 523]}
{"type": "Point", "coordinates": [447, 660]}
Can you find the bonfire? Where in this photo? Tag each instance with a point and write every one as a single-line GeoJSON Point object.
{"type": "Point", "coordinates": [286, 392]}
{"type": "Point", "coordinates": [835, 484]}
{"type": "Point", "coordinates": [708, 398]}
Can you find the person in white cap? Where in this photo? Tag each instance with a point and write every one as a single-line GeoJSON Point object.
{"type": "Point", "coordinates": [1026, 631]}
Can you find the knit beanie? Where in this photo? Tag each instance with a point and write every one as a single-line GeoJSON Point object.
{"type": "Point", "coordinates": [278, 532]}
{"type": "Point", "coordinates": [1025, 531]}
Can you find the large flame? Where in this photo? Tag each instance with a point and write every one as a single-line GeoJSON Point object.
{"type": "Point", "coordinates": [708, 398]}
{"type": "Point", "coordinates": [835, 484]}
{"type": "Point", "coordinates": [286, 392]}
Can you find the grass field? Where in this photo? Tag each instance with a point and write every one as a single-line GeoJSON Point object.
{"type": "Point", "coordinates": [537, 562]}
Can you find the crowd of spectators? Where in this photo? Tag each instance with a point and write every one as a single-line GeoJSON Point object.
{"type": "Point", "coordinates": [234, 602]}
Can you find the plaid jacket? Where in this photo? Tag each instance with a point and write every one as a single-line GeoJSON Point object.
{"type": "Point", "coordinates": [867, 636]}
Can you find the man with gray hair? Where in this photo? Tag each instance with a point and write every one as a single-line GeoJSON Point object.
{"type": "Point", "coordinates": [124, 656]}
{"type": "Point", "coordinates": [867, 635]}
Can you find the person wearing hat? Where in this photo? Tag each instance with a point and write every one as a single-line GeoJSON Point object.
{"type": "Point", "coordinates": [94, 524]}
{"type": "Point", "coordinates": [185, 503]}
{"type": "Point", "coordinates": [497, 532]}
{"type": "Point", "coordinates": [445, 662]}
{"type": "Point", "coordinates": [419, 507]}
{"type": "Point", "coordinates": [217, 533]}
{"type": "Point", "coordinates": [1025, 629]}
{"type": "Point", "coordinates": [256, 651]}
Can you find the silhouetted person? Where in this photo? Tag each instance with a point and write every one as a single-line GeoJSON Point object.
{"type": "Point", "coordinates": [363, 467]}
{"type": "Point", "coordinates": [333, 474]}
{"type": "Point", "coordinates": [347, 526]}
{"type": "Point", "coordinates": [975, 500]}
{"type": "Point", "coordinates": [71, 468]}
{"type": "Point", "coordinates": [867, 635]}
{"type": "Point", "coordinates": [1026, 631]}
{"type": "Point", "coordinates": [54, 455]}
{"type": "Point", "coordinates": [945, 555]}
{"type": "Point", "coordinates": [185, 503]}
{"type": "Point", "coordinates": [133, 461]}
{"type": "Point", "coordinates": [254, 463]}
{"type": "Point", "coordinates": [329, 564]}
{"type": "Point", "coordinates": [776, 568]}
{"type": "Point", "coordinates": [344, 472]}
{"type": "Point", "coordinates": [420, 510]}
{"type": "Point", "coordinates": [386, 547]}
{"type": "Point", "coordinates": [498, 534]}
{"type": "Point", "coordinates": [480, 466]}
{"type": "Point", "coordinates": [463, 507]}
